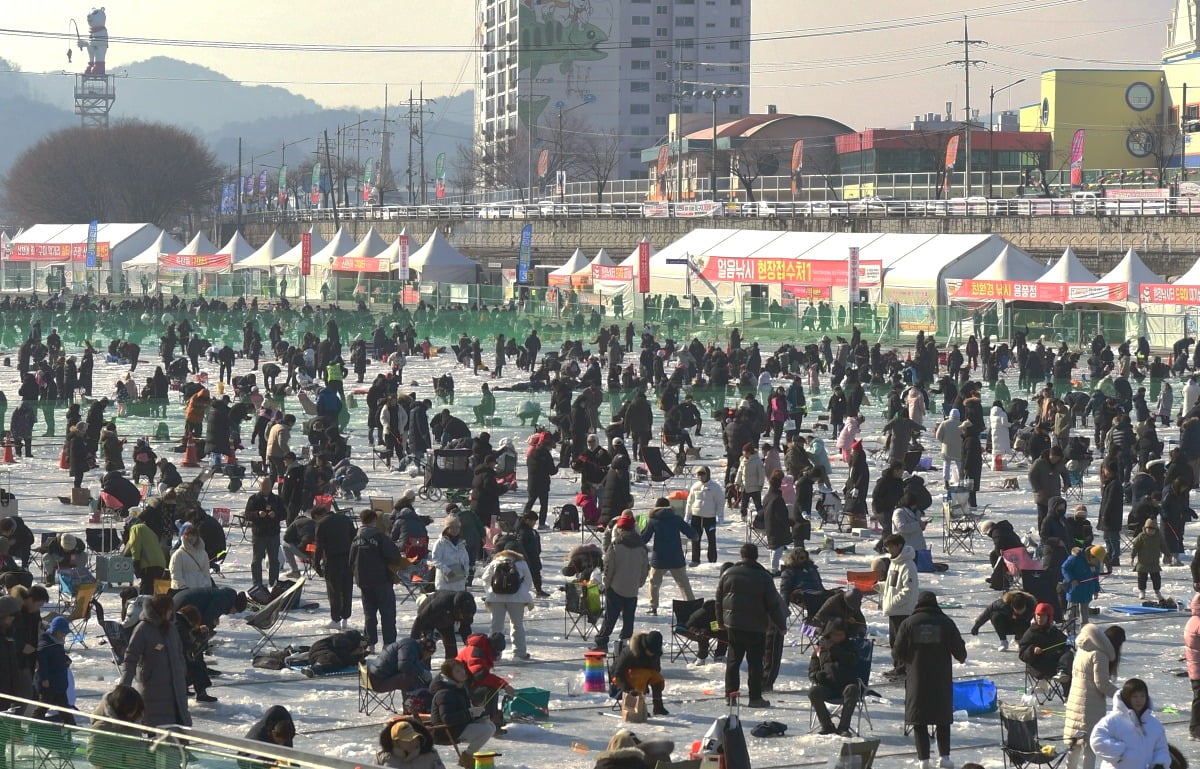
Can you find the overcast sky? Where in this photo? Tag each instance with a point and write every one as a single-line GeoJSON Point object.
{"type": "Point", "coordinates": [886, 69]}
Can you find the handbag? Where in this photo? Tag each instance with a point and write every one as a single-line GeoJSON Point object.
{"type": "Point", "coordinates": [633, 707]}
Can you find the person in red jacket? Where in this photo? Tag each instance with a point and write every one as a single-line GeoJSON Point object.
{"type": "Point", "coordinates": [479, 655]}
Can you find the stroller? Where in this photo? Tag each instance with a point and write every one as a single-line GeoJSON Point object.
{"type": "Point", "coordinates": [828, 504]}
{"type": "Point", "coordinates": [448, 469]}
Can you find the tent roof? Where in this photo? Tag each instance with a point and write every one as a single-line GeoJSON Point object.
{"type": "Point", "coordinates": [371, 245]}
{"type": "Point", "coordinates": [1131, 271]}
{"type": "Point", "coordinates": [1012, 264]}
{"type": "Point", "coordinates": [163, 244]}
{"type": "Point", "coordinates": [1068, 269]}
{"type": "Point", "coordinates": [603, 259]}
{"type": "Point", "coordinates": [438, 261]}
{"type": "Point", "coordinates": [577, 263]}
{"type": "Point", "coordinates": [340, 244]}
{"type": "Point", "coordinates": [261, 259]}
{"type": "Point", "coordinates": [1191, 277]}
{"type": "Point", "coordinates": [112, 234]}
{"type": "Point", "coordinates": [197, 245]}
{"type": "Point", "coordinates": [292, 257]}
{"type": "Point", "coordinates": [237, 247]}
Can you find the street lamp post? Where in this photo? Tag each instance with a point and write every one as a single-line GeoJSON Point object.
{"type": "Point", "coordinates": [283, 164]}
{"type": "Point", "coordinates": [991, 126]}
{"type": "Point", "coordinates": [713, 94]}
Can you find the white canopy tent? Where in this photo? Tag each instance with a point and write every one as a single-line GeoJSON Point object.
{"type": "Point", "coordinates": [237, 248]}
{"type": "Point", "coordinates": [919, 277]}
{"type": "Point", "coordinates": [197, 245]}
{"type": "Point", "coordinates": [439, 262]}
{"type": "Point", "coordinates": [147, 261]}
{"type": "Point", "coordinates": [626, 289]}
{"type": "Point", "coordinates": [602, 260]}
{"type": "Point", "coordinates": [124, 241]}
{"type": "Point", "coordinates": [291, 260]}
{"type": "Point", "coordinates": [267, 253]}
{"type": "Point", "coordinates": [1012, 264]}
{"type": "Point", "coordinates": [575, 265]}
{"type": "Point", "coordinates": [1133, 272]}
{"type": "Point", "coordinates": [371, 246]}
{"type": "Point", "coordinates": [1068, 269]}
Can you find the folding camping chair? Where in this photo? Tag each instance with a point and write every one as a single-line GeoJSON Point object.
{"type": "Point", "coordinates": [369, 699]}
{"type": "Point", "coordinates": [1044, 690]}
{"type": "Point", "coordinates": [1074, 488]}
{"type": "Point", "coordinates": [1017, 560]}
{"type": "Point", "coordinates": [591, 533]}
{"type": "Point", "coordinates": [1019, 741]}
{"type": "Point", "coordinates": [684, 642]}
{"type": "Point", "coordinates": [270, 617]}
{"type": "Point", "coordinates": [81, 595]}
{"type": "Point", "coordinates": [578, 619]}
{"type": "Point", "coordinates": [865, 647]}
{"type": "Point", "coordinates": [829, 506]}
{"type": "Point", "coordinates": [116, 634]}
{"type": "Point", "coordinates": [656, 470]}
{"type": "Point", "coordinates": [960, 523]}
{"type": "Point", "coordinates": [866, 582]}
{"type": "Point", "coordinates": [53, 744]}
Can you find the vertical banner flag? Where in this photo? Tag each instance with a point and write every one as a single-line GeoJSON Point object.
{"type": "Point", "coordinates": [227, 201]}
{"type": "Point", "coordinates": [852, 274]}
{"type": "Point", "coordinates": [248, 181]}
{"type": "Point", "coordinates": [93, 230]}
{"type": "Point", "coordinates": [644, 267]}
{"type": "Point", "coordinates": [797, 164]}
{"type": "Point", "coordinates": [402, 257]}
{"type": "Point", "coordinates": [951, 159]}
{"type": "Point", "coordinates": [366, 195]}
{"type": "Point", "coordinates": [664, 160]}
{"type": "Point", "coordinates": [440, 172]}
{"type": "Point", "coordinates": [282, 198]}
{"type": "Point", "coordinates": [306, 254]}
{"type": "Point", "coordinates": [543, 166]}
{"type": "Point", "coordinates": [1077, 160]}
{"type": "Point", "coordinates": [316, 184]}
{"type": "Point", "coordinates": [525, 255]}
{"type": "Point", "coordinates": [262, 183]}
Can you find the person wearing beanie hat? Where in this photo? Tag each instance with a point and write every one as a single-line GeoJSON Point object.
{"type": "Point", "coordinates": [1079, 529]}
{"type": "Point", "coordinates": [949, 434]}
{"type": "Point", "coordinates": [639, 667]}
{"type": "Point", "coordinates": [750, 479]}
{"type": "Point", "coordinates": [662, 532]}
{"type": "Point", "coordinates": [53, 678]}
{"type": "Point", "coordinates": [1081, 580]}
{"type": "Point", "coordinates": [626, 567]}
{"type": "Point", "coordinates": [1146, 553]}
{"type": "Point", "coordinates": [1043, 649]}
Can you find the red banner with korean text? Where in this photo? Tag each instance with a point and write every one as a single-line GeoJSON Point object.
{"type": "Point", "coordinates": [1055, 293]}
{"type": "Point", "coordinates": [55, 252]}
{"type": "Point", "coordinates": [359, 264]}
{"type": "Point", "coordinates": [798, 292]}
{"type": "Point", "coordinates": [195, 261]}
{"type": "Point", "coordinates": [1169, 293]}
{"type": "Point", "coordinates": [306, 254]}
{"type": "Point", "coordinates": [607, 272]}
{"type": "Point", "coordinates": [644, 267]}
{"type": "Point", "coordinates": [814, 272]}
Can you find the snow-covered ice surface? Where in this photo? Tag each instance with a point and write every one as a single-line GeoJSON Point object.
{"type": "Point", "coordinates": [581, 724]}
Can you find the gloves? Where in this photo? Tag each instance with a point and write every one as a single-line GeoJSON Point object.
{"type": "Point", "coordinates": [974, 631]}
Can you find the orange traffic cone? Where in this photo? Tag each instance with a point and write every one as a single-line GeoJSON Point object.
{"type": "Point", "coordinates": [63, 463]}
{"type": "Point", "coordinates": [190, 459]}
{"type": "Point", "coordinates": [998, 463]}
{"type": "Point", "coordinates": [8, 452]}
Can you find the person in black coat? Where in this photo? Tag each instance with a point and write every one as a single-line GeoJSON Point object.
{"type": "Point", "coordinates": [1111, 517]}
{"type": "Point", "coordinates": [1175, 515]}
{"type": "Point", "coordinates": [335, 652]}
{"type": "Point", "coordinates": [833, 670]}
{"type": "Point", "coordinates": [373, 560]}
{"type": "Point", "coordinates": [700, 627]}
{"type": "Point", "coordinates": [486, 490]}
{"type": "Point", "coordinates": [448, 612]}
{"type": "Point", "coordinates": [858, 483]}
{"type": "Point", "coordinates": [616, 497]}
{"type": "Point", "coordinates": [216, 441]}
{"type": "Point", "coordinates": [750, 606]}
{"type": "Point", "coordinates": [1044, 647]}
{"type": "Point", "coordinates": [845, 606]}
{"type": "Point", "coordinates": [925, 644]}
{"type": "Point", "coordinates": [403, 666]}
{"type": "Point", "coordinates": [531, 547]}
{"type": "Point", "coordinates": [20, 539]}
{"type": "Point", "coordinates": [452, 716]}
{"type": "Point", "coordinates": [1003, 537]}
{"type": "Point", "coordinates": [264, 512]}
{"type": "Point", "coordinates": [1010, 615]}
{"type": "Point", "coordinates": [540, 466]}
{"type": "Point", "coordinates": [777, 520]}
{"type": "Point", "coordinates": [276, 727]}
{"type": "Point", "coordinates": [407, 526]}
{"type": "Point", "coordinates": [885, 497]}
{"type": "Point", "coordinates": [334, 535]}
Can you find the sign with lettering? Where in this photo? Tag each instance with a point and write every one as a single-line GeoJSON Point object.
{"type": "Point", "coordinates": [196, 261]}
{"type": "Point", "coordinates": [359, 264]}
{"type": "Point", "coordinates": [816, 272]}
{"type": "Point", "coordinates": [607, 272]}
{"type": "Point", "coordinates": [1054, 293]}
{"type": "Point", "coordinates": [55, 252]}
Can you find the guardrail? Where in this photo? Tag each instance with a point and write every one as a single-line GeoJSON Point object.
{"type": "Point", "coordinates": [817, 209]}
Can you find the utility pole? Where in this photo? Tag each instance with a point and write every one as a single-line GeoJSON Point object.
{"type": "Point", "coordinates": [424, 186]}
{"type": "Point", "coordinates": [385, 150]}
{"type": "Point", "coordinates": [240, 185]}
{"type": "Point", "coordinates": [416, 132]}
{"type": "Point", "coordinates": [336, 221]}
{"type": "Point", "coordinates": [966, 62]}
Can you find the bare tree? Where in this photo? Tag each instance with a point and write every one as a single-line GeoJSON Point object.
{"type": "Point", "coordinates": [597, 158]}
{"type": "Point", "coordinates": [1156, 139]}
{"type": "Point", "coordinates": [754, 159]}
{"type": "Point", "coordinates": [131, 171]}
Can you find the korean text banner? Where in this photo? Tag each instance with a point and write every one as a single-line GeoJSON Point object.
{"type": "Point", "coordinates": [195, 261]}
{"type": "Point", "coordinates": [608, 272]}
{"type": "Point", "coordinates": [1168, 293]}
{"type": "Point", "coordinates": [818, 272]}
{"type": "Point", "coordinates": [55, 252]}
{"type": "Point", "coordinates": [1056, 293]}
{"type": "Point", "coordinates": [359, 264]}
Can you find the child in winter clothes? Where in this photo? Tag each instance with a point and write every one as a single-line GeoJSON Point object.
{"type": "Point", "coordinates": [1191, 652]}
{"type": "Point", "coordinates": [847, 437]}
{"type": "Point", "coordinates": [589, 506]}
{"type": "Point", "coordinates": [1146, 552]}
{"type": "Point", "coordinates": [639, 667]}
{"type": "Point", "coordinates": [144, 460]}
{"type": "Point", "coordinates": [53, 679]}
{"type": "Point", "coordinates": [1081, 579]}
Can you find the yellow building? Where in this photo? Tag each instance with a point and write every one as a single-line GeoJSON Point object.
{"type": "Point", "coordinates": [1118, 109]}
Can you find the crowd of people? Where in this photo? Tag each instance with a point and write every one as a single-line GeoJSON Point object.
{"type": "Point", "coordinates": [483, 547]}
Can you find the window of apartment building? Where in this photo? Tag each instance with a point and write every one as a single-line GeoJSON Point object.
{"type": "Point", "coordinates": [735, 22]}
{"type": "Point", "coordinates": [662, 97]}
{"type": "Point", "coordinates": [685, 42]}
{"type": "Point", "coordinates": [660, 53]}
{"type": "Point", "coordinates": [640, 64]}
{"type": "Point", "coordinates": [640, 130]}
{"type": "Point", "coordinates": [685, 21]}
{"type": "Point", "coordinates": [661, 31]}
{"type": "Point", "coordinates": [735, 2]}
{"type": "Point", "coordinates": [639, 86]}
{"type": "Point", "coordinates": [639, 109]}
{"type": "Point", "coordinates": [660, 120]}
{"type": "Point", "coordinates": [639, 42]}
{"type": "Point", "coordinates": [735, 45]}
{"type": "Point", "coordinates": [734, 109]}
{"type": "Point", "coordinates": [641, 21]}
{"type": "Point", "coordinates": [660, 75]}
{"type": "Point", "coordinates": [661, 10]}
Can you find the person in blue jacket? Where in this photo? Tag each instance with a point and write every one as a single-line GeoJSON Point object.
{"type": "Point", "coordinates": [662, 533]}
{"type": "Point", "coordinates": [1081, 580]}
{"type": "Point", "coordinates": [404, 665]}
{"type": "Point", "coordinates": [52, 680]}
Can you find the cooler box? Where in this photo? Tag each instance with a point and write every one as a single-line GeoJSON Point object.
{"type": "Point", "coordinates": [114, 569]}
{"type": "Point", "coordinates": [976, 696]}
{"type": "Point", "coordinates": [678, 500]}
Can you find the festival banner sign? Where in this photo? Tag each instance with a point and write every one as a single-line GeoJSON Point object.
{"type": "Point", "coordinates": [306, 254]}
{"type": "Point", "coordinates": [262, 182]}
{"type": "Point", "coordinates": [608, 272]}
{"type": "Point", "coordinates": [797, 164]}
{"type": "Point", "coordinates": [1169, 293]}
{"type": "Point", "coordinates": [282, 195]}
{"type": "Point", "coordinates": [402, 257]}
{"type": "Point", "coordinates": [1077, 160]}
{"type": "Point", "coordinates": [56, 252]}
{"type": "Point", "coordinates": [93, 234]}
{"type": "Point", "coordinates": [951, 159]}
{"type": "Point", "coordinates": [316, 185]}
{"type": "Point", "coordinates": [814, 272]}
{"type": "Point", "coordinates": [644, 267]}
{"type": "Point", "coordinates": [525, 255]}
{"type": "Point", "coordinates": [359, 264]}
{"type": "Point", "coordinates": [195, 261]}
{"type": "Point", "coordinates": [1053, 293]}
{"type": "Point", "coordinates": [367, 174]}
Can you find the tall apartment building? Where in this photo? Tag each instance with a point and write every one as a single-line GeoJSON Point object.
{"type": "Point", "coordinates": [617, 66]}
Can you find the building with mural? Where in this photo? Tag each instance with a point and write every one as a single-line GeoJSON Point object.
{"type": "Point", "coordinates": [554, 71]}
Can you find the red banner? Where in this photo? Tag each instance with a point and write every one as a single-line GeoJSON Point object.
{"type": "Point", "coordinates": [1077, 159]}
{"type": "Point", "coordinates": [195, 261]}
{"type": "Point", "coordinates": [1055, 293]}
{"type": "Point", "coordinates": [1169, 293]}
{"type": "Point", "coordinates": [359, 264]}
{"type": "Point", "coordinates": [605, 272]}
{"type": "Point", "coordinates": [815, 272]}
{"type": "Point", "coordinates": [644, 267]}
{"type": "Point", "coordinates": [799, 292]}
{"type": "Point", "coordinates": [306, 254]}
{"type": "Point", "coordinates": [55, 252]}
{"type": "Point", "coordinates": [402, 257]}
{"type": "Point", "coordinates": [951, 159]}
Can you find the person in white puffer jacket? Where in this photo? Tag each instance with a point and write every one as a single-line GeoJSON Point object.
{"type": "Point", "coordinates": [898, 596]}
{"type": "Point", "coordinates": [502, 603]}
{"type": "Point", "coordinates": [450, 558]}
{"type": "Point", "coordinates": [1130, 736]}
{"type": "Point", "coordinates": [705, 507]}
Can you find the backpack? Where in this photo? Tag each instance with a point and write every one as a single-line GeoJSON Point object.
{"type": "Point", "coordinates": [505, 579]}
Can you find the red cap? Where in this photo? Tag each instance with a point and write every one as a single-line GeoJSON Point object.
{"type": "Point", "coordinates": [625, 521]}
{"type": "Point", "coordinates": [1044, 608]}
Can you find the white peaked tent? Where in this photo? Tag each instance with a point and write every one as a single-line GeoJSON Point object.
{"type": "Point", "coordinates": [291, 259]}
{"type": "Point", "coordinates": [1133, 272]}
{"type": "Point", "coordinates": [563, 275]}
{"type": "Point", "coordinates": [439, 262]}
{"type": "Point", "coordinates": [237, 248]}
{"type": "Point", "coordinates": [148, 259]}
{"type": "Point", "coordinates": [265, 256]}
{"type": "Point", "coordinates": [197, 245]}
{"type": "Point", "coordinates": [1068, 269]}
{"type": "Point", "coordinates": [602, 259]}
{"type": "Point", "coordinates": [1012, 264]}
{"type": "Point", "coordinates": [340, 244]}
{"type": "Point", "coordinates": [372, 245]}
